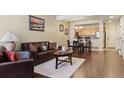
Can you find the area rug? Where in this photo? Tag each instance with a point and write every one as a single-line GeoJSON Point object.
{"type": "Point", "coordinates": [65, 70]}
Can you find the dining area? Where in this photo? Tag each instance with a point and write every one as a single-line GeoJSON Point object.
{"type": "Point", "coordinates": [85, 38]}
{"type": "Point", "coordinates": [80, 46]}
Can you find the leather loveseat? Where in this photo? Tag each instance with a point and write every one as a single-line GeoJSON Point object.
{"type": "Point", "coordinates": [18, 69]}
{"type": "Point", "coordinates": [40, 51]}
{"type": "Point", "coordinates": [12, 65]}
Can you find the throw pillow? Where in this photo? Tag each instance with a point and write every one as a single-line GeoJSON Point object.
{"type": "Point", "coordinates": [44, 48]}
{"type": "Point", "coordinates": [13, 56]}
{"type": "Point", "coordinates": [32, 48]}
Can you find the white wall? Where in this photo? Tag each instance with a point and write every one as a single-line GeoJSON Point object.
{"type": "Point", "coordinates": [121, 38]}
{"type": "Point", "coordinates": [118, 37]}
{"type": "Point", "coordinates": [63, 38]}
{"type": "Point", "coordinates": [20, 25]}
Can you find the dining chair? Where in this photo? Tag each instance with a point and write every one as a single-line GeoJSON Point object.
{"type": "Point", "coordinates": [69, 44]}
{"type": "Point", "coordinates": [76, 46]}
{"type": "Point", "coordinates": [59, 47]}
{"type": "Point", "coordinates": [88, 44]}
{"type": "Point", "coordinates": [81, 46]}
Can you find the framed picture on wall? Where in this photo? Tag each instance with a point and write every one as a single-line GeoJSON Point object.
{"type": "Point", "coordinates": [66, 31]}
{"type": "Point", "coordinates": [61, 27]}
{"type": "Point", "coordinates": [36, 24]}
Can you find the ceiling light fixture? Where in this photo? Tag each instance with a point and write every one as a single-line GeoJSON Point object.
{"type": "Point", "coordinates": [110, 21]}
{"type": "Point", "coordinates": [111, 17]}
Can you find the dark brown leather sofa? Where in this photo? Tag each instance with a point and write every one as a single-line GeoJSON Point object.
{"type": "Point", "coordinates": [19, 69]}
{"type": "Point", "coordinates": [40, 56]}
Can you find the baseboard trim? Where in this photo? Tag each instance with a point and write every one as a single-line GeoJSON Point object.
{"type": "Point", "coordinates": [98, 49]}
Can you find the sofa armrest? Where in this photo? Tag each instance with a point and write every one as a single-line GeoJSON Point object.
{"type": "Point", "coordinates": [17, 62]}
{"type": "Point", "coordinates": [19, 69]}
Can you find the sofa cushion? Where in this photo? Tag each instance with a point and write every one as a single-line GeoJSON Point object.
{"type": "Point", "coordinates": [3, 55]}
{"type": "Point", "coordinates": [38, 47]}
{"type": "Point", "coordinates": [25, 47]}
{"type": "Point", "coordinates": [52, 45]}
{"type": "Point", "coordinates": [45, 52]}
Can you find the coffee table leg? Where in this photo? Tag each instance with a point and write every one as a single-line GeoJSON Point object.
{"type": "Point", "coordinates": [70, 58]}
{"type": "Point", "coordinates": [56, 62]}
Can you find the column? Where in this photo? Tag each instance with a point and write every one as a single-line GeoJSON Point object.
{"type": "Point", "coordinates": [101, 40]}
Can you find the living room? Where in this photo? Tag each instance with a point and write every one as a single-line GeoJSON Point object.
{"type": "Point", "coordinates": [19, 25]}
{"type": "Point", "coordinates": [57, 30]}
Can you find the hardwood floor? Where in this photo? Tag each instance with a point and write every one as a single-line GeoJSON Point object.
{"type": "Point", "coordinates": [99, 65]}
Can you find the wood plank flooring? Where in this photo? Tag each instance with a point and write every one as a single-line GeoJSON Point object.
{"type": "Point", "coordinates": [101, 64]}
{"type": "Point", "coordinates": [104, 64]}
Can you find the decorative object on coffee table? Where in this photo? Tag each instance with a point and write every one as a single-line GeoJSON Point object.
{"type": "Point", "coordinates": [58, 54]}
{"type": "Point", "coordinates": [9, 38]}
{"type": "Point", "coordinates": [36, 24]}
{"type": "Point", "coordinates": [59, 48]}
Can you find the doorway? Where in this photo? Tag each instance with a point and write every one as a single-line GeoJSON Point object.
{"type": "Point", "coordinates": [111, 30]}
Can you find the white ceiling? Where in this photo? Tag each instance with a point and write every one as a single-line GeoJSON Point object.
{"type": "Point", "coordinates": [86, 17]}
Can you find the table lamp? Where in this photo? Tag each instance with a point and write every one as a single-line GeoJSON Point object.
{"type": "Point", "coordinates": [9, 38]}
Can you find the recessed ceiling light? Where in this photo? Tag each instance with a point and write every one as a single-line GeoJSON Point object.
{"type": "Point", "coordinates": [110, 21]}
{"type": "Point", "coordinates": [111, 17]}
